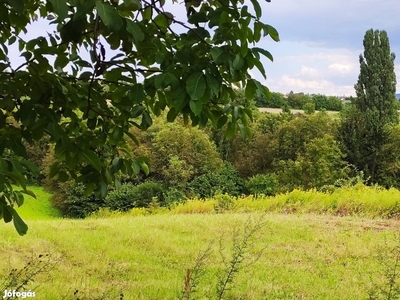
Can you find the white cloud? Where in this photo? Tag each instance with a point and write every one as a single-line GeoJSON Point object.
{"type": "Point", "coordinates": [309, 72]}
{"type": "Point", "coordinates": [290, 83]}
{"type": "Point", "coordinates": [340, 68]}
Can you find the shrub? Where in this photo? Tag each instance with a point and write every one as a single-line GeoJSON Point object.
{"type": "Point", "coordinates": [309, 108]}
{"type": "Point", "coordinates": [320, 163]}
{"type": "Point", "coordinates": [176, 161]}
{"type": "Point", "coordinates": [146, 191]}
{"type": "Point", "coordinates": [129, 196]}
{"type": "Point", "coordinates": [173, 195]}
{"type": "Point", "coordinates": [72, 201]}
{"type": "Point", "coordinates": [261, 184]}
{"type": "Point", "coordinates": [224, 202]}
{"type": "Point", "coordinates": [122, 198]}
{"type": "Point", "coordinates": [227, 181]}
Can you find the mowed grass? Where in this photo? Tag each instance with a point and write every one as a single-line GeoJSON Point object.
{"type": "Point", "coordinates": [306, 256]}
{"type": "Point", "coordinates": [39, 208]}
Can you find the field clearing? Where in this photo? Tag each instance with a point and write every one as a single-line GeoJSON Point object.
{"type": "Point", "coordinates": [146, 257]}
{"type": "Point", "coordinates": [39, 208]}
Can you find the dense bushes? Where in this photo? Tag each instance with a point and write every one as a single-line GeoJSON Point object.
{"type": "Point", "coordinates": [282, 145]}
{"type": "Point", "coordinates": [178, 153]}
{"type": "Point", "coordinates": [285, 152]}
{"type": "Point", "coordinates": [320, 163]}
{"type": "Point", "coordinates": [71, 200]}
{"type": "Point", "coordinates": [129, 196]}
{"type": "Point", "coordinates": [262, 185]}
{"type": "Point", "coordinates": [227, 181]}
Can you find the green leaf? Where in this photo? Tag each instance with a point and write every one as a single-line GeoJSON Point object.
{"type": "Point", "coordinates": [213, 84]}
{"type": "Point", "coordinates": [249, 113]}
{"type": "Point", "coordinates": [103, 185]}
{"type": "Point", "coordinates": [196, 86]}
{"type": "Point", "coordinates": [217, 55]}
{"type": "Point", "coordinates": [16, 145]}
{"type": "Point", "coordinates": [30, 193]}
{"type": "Point", "coordinates": [132, 137]}
{"type": "Point", "coordinates": [89, 188]}
{"type": "Point", "coordinates": [263, 52]}
{"type": "Point", "coordinates": [172, 114]}
{"type": "Point", "coordinates": [268, 29]}
{"type": "Point", "coordinates": [19, 224]}
{"type": "Point", "coordinates": [133, 5]}
{"type": "Point", "coordinates": [245, 131]}
{"type": "Point", "coordinates": [231, 130]}
{"type": "Point", "coordinates": [144, 167]}
{"type": "Point", "coordinates": [61, 61]}
{"type": "Point", "coordinates": [92, 159]}
{"type": "Point", "coordinates": [237, 112]}
{"type": "Point", "coordinates": [135, 167]}
{"type": "Point", "coordinates": [7, 215]}
{"type": "Point", "coordinates": [83, 9]}
{"type": "Point", "coordinates": [17, 179]}
{"type": "Point", "coordinates": [63, 176]}
{"type": "Point", "coordinates": [109, 15]}
{"type": "Point", "coordinates": [117, 134]}
{"type": "Point", "coordinates": [137, 111]}
{"type": "Point", "coordinates": [146, 120]}
{"type": "Point", "coordinates": [257, 7]}
{"type": "Point", "coordinates": [134, 29]}
{"type": "Point", "coordinates": [196, 107]}
{"type": "Point", "coordinates": [161, 20]}
{"type": "Point", "coordinates": [19, 198]}
{"type": "Point", "coordinates": [17, 5]}
{"type": "Point", "coordinates": [116, 164]}
{"type": "Point", "coordinates": [136, 93]}
{"type": "Point", "coordinates": [197, 17]}
{"type": "Point", "coordinates": [147, 13]}
{"type": "Point", "coordinates": [251, 89]}
{"type": "Point", "coordinates": [222, 121]}
{"type": "Point", "coordinates": [238, 62]}
{"type": "Point", "coordinates": [54, 169]}
{"type": "Point", "coordinates": [60, 8]}
{"type": "Point", "coordinates": [198, 33]}
{"type": "Point", "coordinates": [261, 89]}
{"type": "Point", "coordinates": [31, 167]}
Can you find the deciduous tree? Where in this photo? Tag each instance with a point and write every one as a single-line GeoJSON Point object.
{"type": "Point", "coordinates": [110, 65]}
{"type": "Point", "coordinates": [363, 130]}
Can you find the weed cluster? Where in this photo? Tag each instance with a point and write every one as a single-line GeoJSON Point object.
{"type": "Point", "coordinates": [240, 256]}
{"type": "Point", "coordinates": [386, 284]}
{"type": "Point", "coordinates": [22, 280]}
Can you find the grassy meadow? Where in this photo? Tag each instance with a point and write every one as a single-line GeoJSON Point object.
{"type": "Point", "coordinates": [304, 255]}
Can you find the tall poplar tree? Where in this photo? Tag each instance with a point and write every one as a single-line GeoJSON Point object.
{"type": "Point", "coordinates": [376, 85]}
{"type": "Point", "coordinates": [363, 130]}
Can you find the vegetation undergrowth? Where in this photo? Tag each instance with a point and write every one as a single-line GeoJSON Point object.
{"type": "Point", "coordinates": [240, 257]}
{"type": "Point", "coordinates": [304, 256]}
{"type": "Point", "coordinates": [358, 200]}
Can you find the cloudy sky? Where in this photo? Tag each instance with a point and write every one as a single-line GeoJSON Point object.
{"type": "Point", "coordinates": [321, 42]}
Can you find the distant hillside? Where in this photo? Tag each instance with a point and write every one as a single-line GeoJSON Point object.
{"type": "Point", "coordinates": [398, 96]}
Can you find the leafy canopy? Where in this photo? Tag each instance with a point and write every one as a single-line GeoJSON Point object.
{"type": "Point", "coordinates": [110, 65]}
{"type": "Point", "coordinates": [364, 129]}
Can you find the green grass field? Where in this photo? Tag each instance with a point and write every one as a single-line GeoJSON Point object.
{"type": "Point", "coordinates": [39, 208]}
{"type": "Point", "coordinates": [306, 256]}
